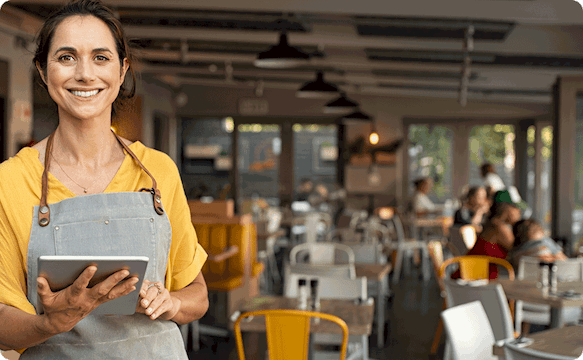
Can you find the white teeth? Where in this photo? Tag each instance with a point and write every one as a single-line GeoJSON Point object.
{"type": "Point", "coordinates": [84, 93]}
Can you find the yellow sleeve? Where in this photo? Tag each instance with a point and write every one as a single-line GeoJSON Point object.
{"type": "Point", "coordinates": [15, 219]}
{"type": "Point", "coordinates": [186, 256]}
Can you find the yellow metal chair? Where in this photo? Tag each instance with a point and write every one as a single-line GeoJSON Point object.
{"type": "Point", "coordinates": [288, 333]}
{"type": "Point", "coordinates": [476, 267]}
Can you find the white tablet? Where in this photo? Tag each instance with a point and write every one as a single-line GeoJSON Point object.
{"type": "Point", "coordinates": [62, 271]}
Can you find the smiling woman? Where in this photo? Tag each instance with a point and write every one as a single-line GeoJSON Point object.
{"type": "Point", "coordinates": [95, 207]}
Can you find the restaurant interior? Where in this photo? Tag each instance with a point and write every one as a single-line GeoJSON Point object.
{"type": "Point", "coordinates": [301, 129]}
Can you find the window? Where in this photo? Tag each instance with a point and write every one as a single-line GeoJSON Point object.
{"type": "Point", "coordinates": [493, 144]}
{"type": "Point", "coordinates": [315, 154]}
{"type": "Point", "coordinates": [430, 154]}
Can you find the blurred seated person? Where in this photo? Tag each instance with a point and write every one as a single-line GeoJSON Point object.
{"type": "Point", "coordinates": [421, 203]}
{"type": "Point", "coordinates": [492, 181]}
{"type": "Point", "coordinates": [474, 209]}
{"type": "Point", "coordinates": [319, 198]}
{"type": "Point", "coordinates": [530, 240]}
{"type": "Point", "coordinates": [497, 238]}
{"type": "Point", "coordinates": [304, 190]}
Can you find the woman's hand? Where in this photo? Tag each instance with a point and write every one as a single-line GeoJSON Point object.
{"type": "Point", "coordinates": [156, 301]}
{"type": "Point", "coordinates": [65, 308]}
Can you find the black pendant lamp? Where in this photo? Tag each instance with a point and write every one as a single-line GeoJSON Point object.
{"type": "Point", "coordinates": [356, 117]}
{"type": "Point", "coordinates": [317, 89]}
{"type": "Point", "coordinates": [281, 56]}
{"type": "Point", "coordinates": [341, 105]}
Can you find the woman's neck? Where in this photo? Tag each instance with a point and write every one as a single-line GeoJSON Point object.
{"type": "Point", "coordinates": [90, 145]}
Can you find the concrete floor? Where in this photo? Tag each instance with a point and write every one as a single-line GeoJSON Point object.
{"type": "Point", "coordinates": [412, 317]}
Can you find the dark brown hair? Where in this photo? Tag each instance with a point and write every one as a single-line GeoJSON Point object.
{"type": "Point", "coordinates": [487, 168]}
{"type": "Point", "coordinates": [522, 229]}
{"type": "Point", "coordinates": [88, 8]}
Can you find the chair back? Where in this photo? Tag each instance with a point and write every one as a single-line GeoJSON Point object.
{"type": "Point", "coordinates": [322, 253]}
{"type": "Point", "coordinates": [469, 331]}
{"type": "Point", "coordinates": [493, 300]}
{"type": "Point", "coordinates": [476, 267]}
{"type": "Point", "coordinates": [462, 238]}
{"type": "Point", "coordinates": [288, 333]}
{"type": "Point", "coordinates": [515, 352]}
{"type": "Point", "coordinates": [329, 287]}
{"type": "Point", "coordinates": [436, 254]}
{"type": "Point", "coordinates": [469, 236]}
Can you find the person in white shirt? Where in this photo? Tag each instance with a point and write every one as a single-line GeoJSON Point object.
{"type": "Point", "coordinates": [492, 181]}
{"type": "Point", "coordinates": [422, 204]}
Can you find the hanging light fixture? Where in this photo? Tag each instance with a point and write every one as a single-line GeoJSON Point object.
{"type": "Point", "coordinates": [373, 138]}
{"type": "Point", "coordinates": [340, 105]}
{"type": "Point", "coordinates": [317, 88]}
{"type": "Point", "coordinates": [356, 117]}
{"type": "Point", "coordinates": [281, 56]}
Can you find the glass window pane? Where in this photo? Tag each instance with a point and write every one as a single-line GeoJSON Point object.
{"type": "Point", "coordinates": [577, 227]}
{"type": "Point", "coordinates": [315, 154]}
{"type": "Point", "coordinates": [258, 164]}
{"type": "Point", "coordinates": [430, 154]}
{"type": "Point", "coordinates": [206, 157]}
{"type": "Point", "coordinates": [546, 175]}
{"type": "Point", "coordinates": [493, 144]}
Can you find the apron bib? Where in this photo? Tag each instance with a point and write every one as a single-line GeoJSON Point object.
{"type": "Point", "coordinates": [128, 223]}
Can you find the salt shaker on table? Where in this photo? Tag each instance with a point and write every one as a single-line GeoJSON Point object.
{"type": "Point", "coordinates": [303, 295]}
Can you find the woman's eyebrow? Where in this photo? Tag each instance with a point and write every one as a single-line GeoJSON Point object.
{"type": "Point", "coordinates": [66, 48]}
{"type": "Point", "coordinates": [102, 50]}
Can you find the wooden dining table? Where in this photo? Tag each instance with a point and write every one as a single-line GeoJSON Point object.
{"type": "Point", "coordinates": [566, 341]}
{"type": "Point", "coordinates": [529, 291]}
{"type": "Point", "coordinates": [358, 317]}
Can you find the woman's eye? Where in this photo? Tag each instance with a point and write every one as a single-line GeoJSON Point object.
{"type": "Point", "coordinates": [66, 58]}
{"type": "Point", "coordinates": [101, 58]}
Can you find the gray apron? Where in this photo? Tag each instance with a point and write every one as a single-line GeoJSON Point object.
{"type": "Point", "coordinates": [129, 223]}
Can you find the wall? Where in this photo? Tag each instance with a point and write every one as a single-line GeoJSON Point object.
{"type": "Point", "coordinates": [19, 101]}
{"type": "Point", "coordinates": [158, 97]}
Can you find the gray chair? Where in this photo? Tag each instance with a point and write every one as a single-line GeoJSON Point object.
{"type": "Point", "coordinates": [528, 269]}
{"type": "Point", "coordinates": [493, 300]}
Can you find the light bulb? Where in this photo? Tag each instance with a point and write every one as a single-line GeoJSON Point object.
{"type": "Point", "coordinates": [373, 138]}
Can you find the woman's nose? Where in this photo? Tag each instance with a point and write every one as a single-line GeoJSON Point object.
{"type": "Point", "coordinates": [84, 71]}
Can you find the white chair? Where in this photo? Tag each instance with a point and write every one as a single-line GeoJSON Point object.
{"type": "Point", "coordinates": [528, 269]}
{"type": "Point", "coordinates": [333, 288]}
{"type": "Point", "coordinates": [515, 352]}
{"type": "Point", "coordinates": [469, 332]}
{"type": "Point", "coordinates": [325, 259]}
{"type": "Point", "coordinates": [404, 247]}
{"type": "Point", "coordinates": [493, 300]}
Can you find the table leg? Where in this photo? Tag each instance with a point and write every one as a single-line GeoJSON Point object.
{"type": "Point", "coordinates": [557, 320]}
{"type": "Point", "coordinates": [381, 312]}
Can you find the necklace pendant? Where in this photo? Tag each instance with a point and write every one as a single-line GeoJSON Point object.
{"type": "Point", "coordinates": [85, 191]}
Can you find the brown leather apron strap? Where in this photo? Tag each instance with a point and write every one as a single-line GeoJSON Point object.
{"type": "Point", "coordinates": [44, 210]}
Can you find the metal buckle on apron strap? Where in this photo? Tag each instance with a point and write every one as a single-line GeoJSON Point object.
{"type": "Point", "coordinates": [157, 199]}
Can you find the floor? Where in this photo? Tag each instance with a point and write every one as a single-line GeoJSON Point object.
{"type": "Point", "coordinates": [412, 317]}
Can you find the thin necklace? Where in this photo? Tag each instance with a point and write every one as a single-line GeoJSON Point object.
{"type": "Point", "coordinates": [70, 178]}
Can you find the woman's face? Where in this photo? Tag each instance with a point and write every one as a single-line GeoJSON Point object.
{"type": "Point", "coordinates": [83, 73]}
{"type": "Point", "coordinates": [514, 215]}
{"type": "Point", "coordinates": [479, 198]}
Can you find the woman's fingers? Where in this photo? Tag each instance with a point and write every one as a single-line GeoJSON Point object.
{"type": "Point", "coordinates": [149, 292]}
{"type": "Point", "coordinates": [82, 281]}
{"type": "Point", "coordinates": [123, 288]}
{"type": "Point", "coordinates": [103, 289]}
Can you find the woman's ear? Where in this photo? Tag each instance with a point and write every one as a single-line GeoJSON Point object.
{"type": "Point", "coordinates": [124, 68]}
{"type": "Point", "coordinates": [40, 72]}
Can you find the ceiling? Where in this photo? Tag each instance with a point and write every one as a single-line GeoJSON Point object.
{"type": "Point", "coordinates": [407, 48]}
